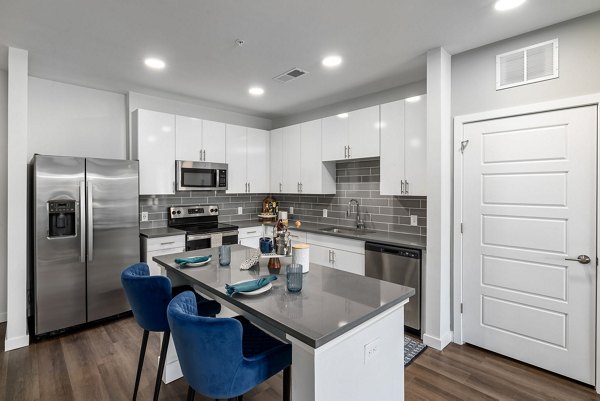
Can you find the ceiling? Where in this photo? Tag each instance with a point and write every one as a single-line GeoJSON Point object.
{"type": "Point", "coordinates": [102, 44]}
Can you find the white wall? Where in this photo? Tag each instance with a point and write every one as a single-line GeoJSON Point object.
{"type": "Point", "coordinates": [3, 189]}
{"type": "Point", "coordinates": [474, 72]}
{"type": "Point", "coordinates": [70, 120]}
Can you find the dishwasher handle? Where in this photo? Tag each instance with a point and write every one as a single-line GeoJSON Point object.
{"type": "Point", "coordinates": [394, 250]}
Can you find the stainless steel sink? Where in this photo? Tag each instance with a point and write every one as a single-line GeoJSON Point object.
{"type": "Point", "coordinates": [347, 230]}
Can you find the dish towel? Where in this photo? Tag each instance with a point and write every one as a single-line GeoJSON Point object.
{"type": "Point", "coordinates": [251, 285]}
{"type": "Point", "coordinates": [193, 259]}
{"type": "Point", "coordinates": [216, 240]}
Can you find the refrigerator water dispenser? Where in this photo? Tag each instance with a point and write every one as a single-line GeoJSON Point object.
{"type": "Point", "coordinates": [61, 218]}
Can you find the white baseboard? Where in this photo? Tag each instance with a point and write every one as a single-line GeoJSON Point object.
{"type": "Point", "coordinates": [2, 317]}
{"type": "Point", "coordinates": [438, 343]}
{"type": "Point", "coordinates": [16, 342]}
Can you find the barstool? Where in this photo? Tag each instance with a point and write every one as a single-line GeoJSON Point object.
{"type": "Point", "coordinates": [149, 297]}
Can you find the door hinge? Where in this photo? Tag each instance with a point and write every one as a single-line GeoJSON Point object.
{"type": "Point", "coordinates": [463, 145]}
{"type": "Point", "coordinates": [461, 228]}
{"type": "Point", "coordinates": [461, 308]}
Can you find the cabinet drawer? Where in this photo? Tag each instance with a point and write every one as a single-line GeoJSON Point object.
{"type": "Point", "coordinates": [160, 243]}
{"type": "Point", "coordinates": [248, 232]}
{"type": "Point", "coordinates": [343, 244]}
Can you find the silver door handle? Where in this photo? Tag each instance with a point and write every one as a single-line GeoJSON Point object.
{"type": "Point", "coordinates": [200, 154]}
{"type": "Point", "coordinates": [204, 154]}
{"type": "Point", "coordinates": [246, 187]}
{"type": "Point", "coordinates": [345, 152]}
{"type": "Point", "coordinates": [167, 243]}
{"type": "Point", "coordinates": [280, 188]}
{"type": "Point", "coordinates": [82, 220]}
{"type": "Point", "coordinates": [406, 186]}
{"type": "Point", "coordinates": [329, 260]}
{"type": "Point", "coordinates": [349, 152]}
{"type": "Point", "coordinates": [301, 187]}
{"type": "Point", "coordinates": [332, 256]}
{"type": "Point", "coordinates": [402, 187]}
{"type": "Point", "coordinates": [90, 222]}
{"type": "Point", "coordinates": [249, 187]}
{"type": "Point", "coordinates": [583, 259]}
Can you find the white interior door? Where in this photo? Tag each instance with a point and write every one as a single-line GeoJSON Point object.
{"type": "Point", "coordinates": [529, 205]}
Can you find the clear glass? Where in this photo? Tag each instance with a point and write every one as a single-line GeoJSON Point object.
{"type": "Point", "coordinates": [224, 255]}
{"type": "Point", "coordinates": [294, 277]}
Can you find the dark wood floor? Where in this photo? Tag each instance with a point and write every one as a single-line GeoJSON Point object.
{"type": "Point", "coordinates": [99, 364]}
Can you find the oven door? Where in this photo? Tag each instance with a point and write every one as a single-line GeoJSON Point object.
{"type": "Point", "coordinates": [199, 176]}
{"type": "Point", "coordinates": [203, 241]}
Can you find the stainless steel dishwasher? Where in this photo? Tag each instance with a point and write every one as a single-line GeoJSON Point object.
{"type": "Point", "coordinates": [401, 266]}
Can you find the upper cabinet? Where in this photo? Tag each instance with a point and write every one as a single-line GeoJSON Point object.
{"type": "Point", "coordinates": [199, 140]}
{"type": "Point", "coordinates": [154, 147]}
{"type": "Point", "coordinates": [247, 157]}
{"type": "Point", "coordinates": [296, 165]}
{"type": "Point", "coordinates": [404, 148]}
{"type": "Point", "coordinates": [352, 135]}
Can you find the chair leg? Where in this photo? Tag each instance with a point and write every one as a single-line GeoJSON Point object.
{"type": "Point", "coordinates": [161, 363]}
{"type": "Point", "coordinates": [287, 380]}
{"type": "Point", "coordinates": [191, 394]}
{"type": "Point", "coordinates": [140, 363]}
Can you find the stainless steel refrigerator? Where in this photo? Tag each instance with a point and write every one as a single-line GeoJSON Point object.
{"type": "Point", "coordinates": [86, 232]}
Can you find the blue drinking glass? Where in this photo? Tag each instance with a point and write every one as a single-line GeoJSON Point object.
{"type": "Point", "coordinates": [294, 277]}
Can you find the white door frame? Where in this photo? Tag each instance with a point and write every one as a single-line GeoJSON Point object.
{"type": "Point", "coordinates": [457, 268]}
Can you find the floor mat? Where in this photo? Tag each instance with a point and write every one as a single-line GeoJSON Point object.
{"type": "Point", "coordinates": [412, 349]}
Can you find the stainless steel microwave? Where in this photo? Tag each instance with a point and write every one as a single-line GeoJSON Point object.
{"type": "Point", "coordinates": [200, 176]}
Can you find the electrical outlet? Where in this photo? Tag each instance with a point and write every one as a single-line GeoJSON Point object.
{"type": "Point", "coordinates": [371, 350]}
{"type": "Point", "coordinates": [144, 216]}
{"type": "Point", "coordinates": [240, 211]}
{"type": "Point", "coordinates": [291, 210]}
{"type": "Point", "coordinates": [413, 220]}
{"type": "Point", "coordinates": [324, 212]}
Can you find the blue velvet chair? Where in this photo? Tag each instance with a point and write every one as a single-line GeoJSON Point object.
{"type": "Point", "coordinates": [224, 357]}
{"type": "Point", "coordinates": [149, 297]}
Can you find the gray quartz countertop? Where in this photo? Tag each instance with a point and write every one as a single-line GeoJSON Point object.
{"type": "Point", "coordinates": [160, 232]}
{"type": "Point", "coordinates": [331, 302]}
{"type": "Point", "coordinates": [382, 237]}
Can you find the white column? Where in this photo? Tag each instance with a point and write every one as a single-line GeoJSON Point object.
{"type": "Point", "coordinates": [439, 200]}
{"type": "Point", "coordinates": [16, 255]}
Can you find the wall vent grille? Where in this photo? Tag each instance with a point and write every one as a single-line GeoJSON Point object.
{"type": "Point", "coordinates": [290, 75]}
{"type": "Point", "coordinates": [527, 65]}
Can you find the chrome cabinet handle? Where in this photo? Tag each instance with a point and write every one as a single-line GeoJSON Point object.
{"type": "Point", "coordinates": [204, 154]}
{"type": "Point", "coordinates": [280, 187]}
{"type": "Point", "coordinates": [90, 222]}
{"type": "Point", "coordinates": [249, 190]}
{"type": "Point", "coordinates": [301, 187]}
{"type": "Point", "coordinates": [82, 220]}
{"type": "Point", "coordinates": [345, 152]}
{"type": "Point", "coordinates": [406, 186]}
{"type": "Point", "coordinates": [329, 260]}
{"type": "Point", "coordinates": [349, 152]}
{"type": "Point", "coordinates": [402, 187]}
{"type": "Point", "coordinates": [583, 259]}
{"type": "Point", "coordinates": [332, 256]}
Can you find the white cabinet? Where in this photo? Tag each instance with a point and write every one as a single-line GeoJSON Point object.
{"type": "Point", "coordinates": [154, 147]}
{"type": "Point", "coordinates": [250, 236]}
{"type": "Point", "coordinates": [297, 237]}
{"type": "Point", "coordinates": [404, 148]}
{"type": "Point", "coordinates": [338, 253]}
{"type": "Point", "coordinates": [199, 140]}
{"type": "Point", "coordinates": [248, 159]}
{"type": "Point", "coordinates": [152, 247]}
{"type": "Point", "coordinates": [352, 135]}
{"type": "Point", "coordinates": [296, 165]}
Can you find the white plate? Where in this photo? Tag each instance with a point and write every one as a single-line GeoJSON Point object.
{"type": "Point", "coordinates": [196, 264]}
{"type": "Point", "coordinates": [255, 292]}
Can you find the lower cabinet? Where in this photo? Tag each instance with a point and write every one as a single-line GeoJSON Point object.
{"type": "Point", "coordinates": [250, 236]}
{"type": "Point", "coordinates": [339, 253]}
{"type": "Point", "coordinates": [152, 247]}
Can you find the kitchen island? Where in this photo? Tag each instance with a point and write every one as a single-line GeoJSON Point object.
{"type": "Point", "coordinates": [346, 330]}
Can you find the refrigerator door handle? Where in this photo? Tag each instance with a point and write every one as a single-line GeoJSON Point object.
{"type": "Point", "coordinates": [90, 222]}
{"type": "Point", "coordinates": [82, 220]}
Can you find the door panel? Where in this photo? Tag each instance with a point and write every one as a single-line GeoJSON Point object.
{"type": "Point", "coordinates": [213, 141]}
{"type": "Point", "coordinates": [276, 161]}
{"type": "Point", "coordinates": [113, 233]}
{"type": "Point", "coordinates": [292, 159]}
{"type": "Point", "coordinates": [529, 202]}
{"type": "Point", "coordinates": [258, 160]}
{"type": "Point", "coordinates": [156, 152]}
{"type": "Point", "coordinates": [335, 137]}
{"type": "Point", "coordinates": [236, 158]}
{"type": "Point", "coordinates": [312, 166]}
{"type": "Point", "coordinates": [392, 148]}
{"type": "Point", "coordinates": [363, 132]}
{"type": "Point", "coordinates": [415, 146]}
{"type": "Point", "coordinates": [188, 138]}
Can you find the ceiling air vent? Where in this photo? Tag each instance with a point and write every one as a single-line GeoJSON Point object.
{"type": "Point", "coordinates": [290, 75]}
{"type": "Point", "coordinates": [527, 65]}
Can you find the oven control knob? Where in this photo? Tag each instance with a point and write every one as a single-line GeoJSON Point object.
{"type": "Point", "coordinates": [173, 212]}
{"type": "Point", "coordinates": [179, 212]}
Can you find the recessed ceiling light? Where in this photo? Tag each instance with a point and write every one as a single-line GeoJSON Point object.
{"type": "Point", "coordinates": [503, 5]}
{"type": "Point", "coordinates": [413, 99]}
{"type": "Point", "coordinates": [343, 115]}
{"type": "Point", "coordinates": [155, 63]}
{"type": "Point", "coordinates": [256, 91]}
{"type": "Point", "coordinates": [332, 61]}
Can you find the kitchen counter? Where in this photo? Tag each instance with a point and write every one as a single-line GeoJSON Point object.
{"type": "Point", "coordinates": [382, 237]}
{"type": "Point", "coordinates": [160, 232]}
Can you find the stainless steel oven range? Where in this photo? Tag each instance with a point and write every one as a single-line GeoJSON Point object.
{"type": "Point", "coordinates": [202, 227]}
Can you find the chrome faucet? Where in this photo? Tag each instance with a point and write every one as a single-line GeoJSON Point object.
{"type": "Point", "coordinates": [359, 223]}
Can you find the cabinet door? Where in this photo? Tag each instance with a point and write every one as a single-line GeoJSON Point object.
{"type": "Point", "coordinates": [156, 152]}
{"type": "Point", "coordinates": [188, 138]}
{"type": "Point", "coordinates": [292, 159]}
{"type": "Point", "coordinates": [334, 137]}
{"type": "Point", "coordinates": [252, 242]}
{"type": "Point", "coordinates": [276, 161]}
{"type": "Point", "coordinates": [320, 255]}
{"type": "Point", "coordinates": [392, 148]}
{"type": "Point", "coordinates": [349, 261]}
{"type": "Point", "coordinates": [363, 132]}
{"type": "Point", "coordinates": [415, 144]}
{"type": "Point", "coordinates": [235, 138]}
{"type": "Point", "coordinates": [311, 175]}
{"type": "Point", "coordinates": [155, 268]}
{"type": "Point", "coordinates": [257, 148]}
{"type": "Point", "coordinates": [213, 141]}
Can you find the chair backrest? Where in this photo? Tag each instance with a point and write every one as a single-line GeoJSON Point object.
{"type": "Point", "coordinates": [148, 296]}
{"type": "Point", "coordinates": [209, 349]}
